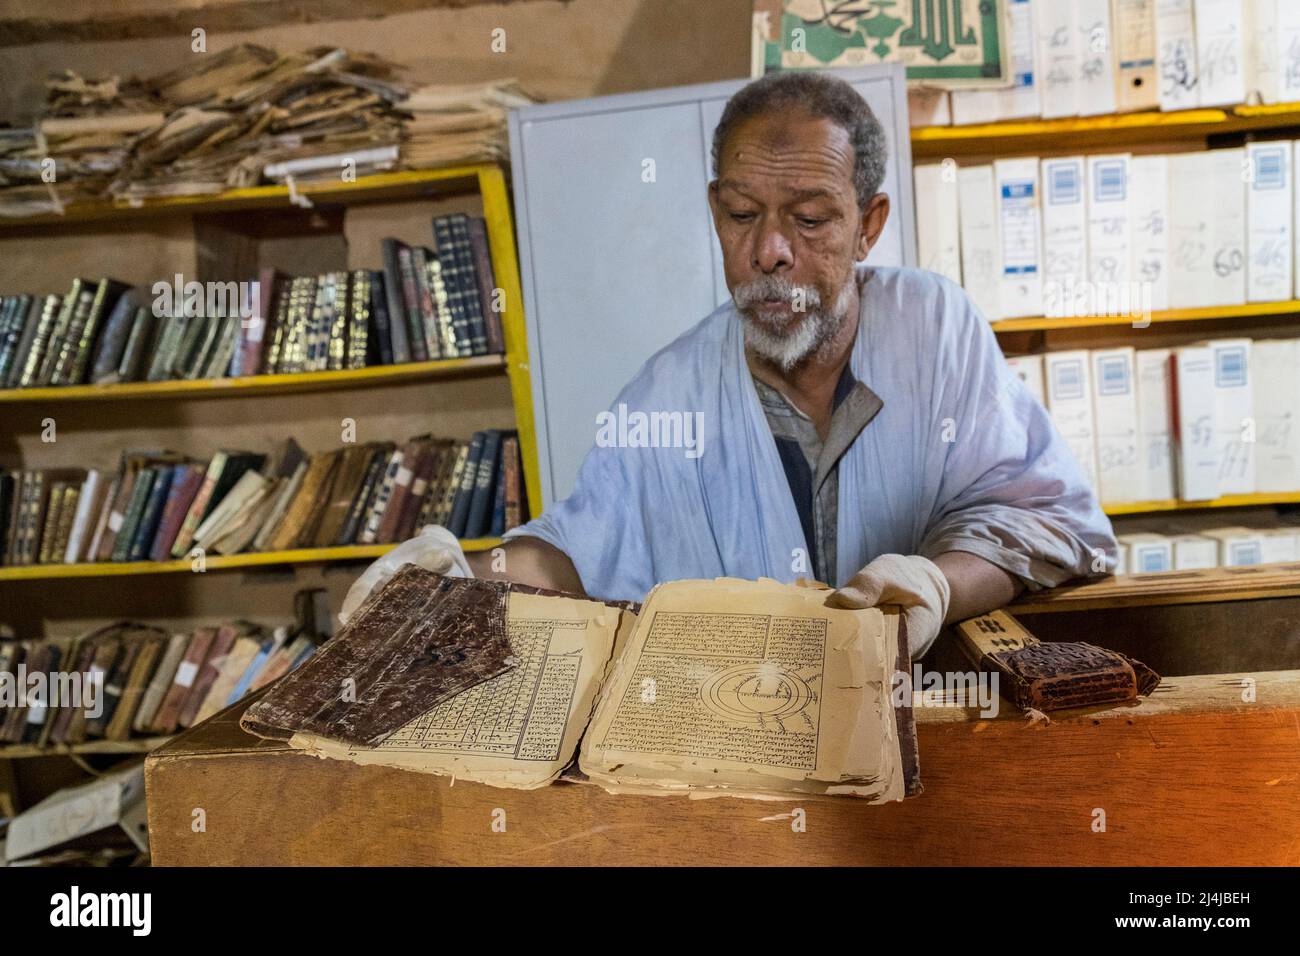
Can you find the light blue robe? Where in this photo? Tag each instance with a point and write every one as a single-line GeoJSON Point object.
{"type": "Point", "coordinates": [960, 458]}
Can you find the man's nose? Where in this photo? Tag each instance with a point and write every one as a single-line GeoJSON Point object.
{"type": "Point", "coordinates": [772, 252]}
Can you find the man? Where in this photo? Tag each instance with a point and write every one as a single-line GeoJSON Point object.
{"type": "Point", "coordinates": [860, 424]}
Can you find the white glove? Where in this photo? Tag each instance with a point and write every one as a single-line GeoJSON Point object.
{"type": "Point", "coordinates": [434, 549]}
{"type": "Point", "coordinates": [913, 583]}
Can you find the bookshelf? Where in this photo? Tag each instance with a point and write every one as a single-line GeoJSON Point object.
{"type": "Point", "coordinates": [175, 234]}
{"type": "Point", "coordinates": [1211, 585]}
{"type": "Point", "coordinates": [1142, 132]}
{"type": "Point", "coordinates": [135, 745]}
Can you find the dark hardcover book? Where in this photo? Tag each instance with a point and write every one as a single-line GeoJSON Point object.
{"type": "Point", "coordinates": [142, 541]}
{"type": "Point", "coordinates": [415, 326]}
{"type": "Point", "coordinates": [278, 332]}
{"type": "Point", "coordinates": [512, 475]}
{"type": "Point", "coordinates": [380, 345]}
{"type": "Point", "coordinates": [114, 684]}
{"type": "Point", "coordinates": [144, 482]}
{"type": "Point", "coordinates": [478, 240]}
{"type": "Point", "coordinates": [252, 333]}
{"type": "Point", "coordinates": [107, 292]}
{"type": "Point", "coordinates": [55, 348]}
{"type": "Point", "coordinates": [112, 341]}
{"type": "Point", "coordinates": [365, 499]}
{"type": "Point", "coordinates": [396, 312]}
{"type": "Point", "coordinates": [471, 294]}
{"type": "Point", "coordinates": [70, 338]}
{"type": "Point", "coordinates": [459, 519]}
{"type": "Point", "coordinates": [357, 351]}
{"type": "Point", "coordinates": [8, 489]}
{"type": "Point", "coordinates": [185, 485]}
{"type": "Point", "coordinates": [33, 351]}
{"type": "Point", "coordinates": [480, 507]}
{"type": "Point", "coordinates": [197, 350]}
{"type": "Point", "coordinates": [139, 344]}
{"type": "Point", "coordinates": [13, 321]}
{"type": "Point", "coordinates": [498, 524]}
{"type": "Point", "coordinates": [162, 360]}
{"type": "Point", "coordinates": [41, 306]}
{"type": "Point", "coordinates": [433, 345]}
{"type": "Point", "coordinates": [455, 282]}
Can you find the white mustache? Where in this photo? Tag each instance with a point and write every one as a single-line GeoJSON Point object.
{"type": "Point", "coordinates": [775, 287]}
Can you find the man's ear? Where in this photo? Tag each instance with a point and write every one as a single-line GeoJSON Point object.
{"type": "Point", "coordinates": [873, 223]}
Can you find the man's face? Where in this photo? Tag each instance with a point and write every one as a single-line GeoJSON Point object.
{"type": "Point", "coordinates": [787, 217]}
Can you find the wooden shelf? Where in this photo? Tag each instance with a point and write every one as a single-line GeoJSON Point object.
{"type": "Point", "coordinates": [1169, 587]}
{"type": "Point", "coordinates": [216, 562]}
{"type": "Point", "coordinates": [411, 184]}
{"type": "Point", "coordinates": [136, 745]}
{"type": "Point", "coordinates": [263, 384]}
{"type": "Point", "coordinates": [1227, 501]}
{"type": "Point", "coordinates": [1111, 130]}
{"type": "Point", "coordinates": [1289, 308]}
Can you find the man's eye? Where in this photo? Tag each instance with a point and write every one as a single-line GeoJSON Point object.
{"type": "Point", "coordinates": [742, 217]}
{"type": "Point", "coordinates": [809, 223]}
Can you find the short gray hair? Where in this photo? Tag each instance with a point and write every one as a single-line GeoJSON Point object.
{"type": "Point", "coordinates": [820, 95]}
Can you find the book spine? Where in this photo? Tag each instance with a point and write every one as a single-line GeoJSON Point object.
{"type": "Point", "coordinates": [393, 294]}
{"type": "Point", "coordinates": [411, 305]}
{"type": "Point", "coordinates": [131, 522]}
{"type": "Point", "coordinates": [486, 285]}
{"type": "Point", "coordinates": [428, 312]}
{"type": "Point", "coordinates": [451, 277]}
{"type": "Point", "coordinates": [383, 342]}
{"type": "Point", "coordinates": [459, 518]}
{"type": "Point", "coordinates": [358, 319]}
{"type": "Point", "coordinates": [106, 293]}
{"type": "Point", "coordinates": [470, 290]}
{"type": "Point", "coordinates": [53, 308]}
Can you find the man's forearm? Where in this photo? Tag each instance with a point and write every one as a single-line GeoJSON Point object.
{"type": "Point", "coordinates": [976, 586]}
{"type": "Point", "coordinates": [530, 561]}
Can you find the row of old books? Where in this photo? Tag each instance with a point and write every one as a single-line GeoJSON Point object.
{"type": "Point", "coordinates": [129, 678]}
{"type": "Point", "coordinates": [239, 117]}
{"type": "Point", "coordinates": [1093, 57]}
{"type": "Point", "coordinates": [159, 506]}
{"type": "Point", "coordinates": [1193, 422]}
{"type": "Point", "coordinates": [1116, 233]}
{"type": "Point", "coordinates": [422, 305]}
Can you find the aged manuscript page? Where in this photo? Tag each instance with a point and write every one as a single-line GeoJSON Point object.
{"type": "Point", "coordinates": [520, 728]}
{"type": "Point", "coordinates": [750, 688]}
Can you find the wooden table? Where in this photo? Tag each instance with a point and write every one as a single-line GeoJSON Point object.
{"type": "Point", "coordinates": [1193, 775]}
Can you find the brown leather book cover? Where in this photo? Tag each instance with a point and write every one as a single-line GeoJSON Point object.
{"type": "Point", "coordinates": [352, 468]}
{"type": "Point", "coordinates": [142, 668]}
{"type": "Point", "coordinates": [430, 455]}
{"type": "Point", "coordinates": [117, 512]}
{"type": "Point", "coordinates": [79, 661]}
{"type": "Point", "coordinates": [115, 682]}
{"type": "Point", "coordinates": [216, 656]}
{"type": "Point", "coordinates": [101, 666]}
{"type": "Point", "coordinates": [412, 454]}
{"type": "Point", "coordinates": [1052, 675]}
{"type": "Point", "coordinates": [514, 487]}
{"type": "Point", "coordinates": [414, 643]}
{"type": "Point", "coordinates": [314, 484]}
{"type": "Point", "coordinates": [169, 711]}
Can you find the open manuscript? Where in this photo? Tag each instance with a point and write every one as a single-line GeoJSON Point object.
{"type": "Point", "coordinates": [724, 687]}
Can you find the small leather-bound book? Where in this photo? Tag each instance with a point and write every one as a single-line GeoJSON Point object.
{"type": "Point", "coordinates": [1052, 675]}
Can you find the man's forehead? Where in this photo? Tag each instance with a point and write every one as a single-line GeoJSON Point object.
{"type": "Point", "coordinates": [803, 153]}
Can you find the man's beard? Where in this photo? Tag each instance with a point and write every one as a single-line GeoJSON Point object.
{"type": "Point", "coordinates": [813, 330]}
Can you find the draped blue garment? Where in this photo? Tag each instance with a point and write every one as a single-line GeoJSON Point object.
{"type": "Point", "coordinates": [960, 458]}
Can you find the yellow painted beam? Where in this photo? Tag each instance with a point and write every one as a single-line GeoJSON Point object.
{"type": "Point", "coordinates": [1227, 501]}
{"type": "Point", "coordinates": [407, 184]}
{"type": "Point", "coordinates": [263, 384]}
{"type": "Point", "coordinates": [216, 562]}
{"type": "Point", "coordinates": [1286, 307]}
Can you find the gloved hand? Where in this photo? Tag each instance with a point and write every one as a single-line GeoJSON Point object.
{"type": "Point", "coordinates": [434, 549]}
{"type": "Point", "coordinates": [913, 583]}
